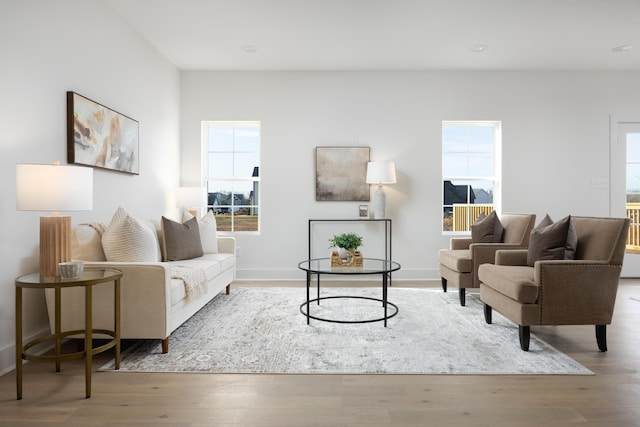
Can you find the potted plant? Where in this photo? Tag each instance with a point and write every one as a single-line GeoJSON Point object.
{"type": "Point", "coordinates": [347, 243]}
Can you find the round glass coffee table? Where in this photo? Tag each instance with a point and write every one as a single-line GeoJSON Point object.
{"type": "Point", "coordinates": [320, 266]}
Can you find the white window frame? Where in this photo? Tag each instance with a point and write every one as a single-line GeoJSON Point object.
{"type": "Point", "coordinates": [205, 159]}
{"type": "Point", "coordinates": [496, 178]}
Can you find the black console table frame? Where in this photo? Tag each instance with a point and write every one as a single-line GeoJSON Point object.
{"type": "Point", "coordinates": [388, 234]}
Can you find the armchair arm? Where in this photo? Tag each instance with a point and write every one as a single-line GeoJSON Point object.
{"type": "Point", "coordinates": [485, 253]}
{"type": "Point", "coordinates": [574, 292]}
{"type": "Point", "coordinates": [511, 257]}
{"type": "Point", "coordinates": [459, 243]}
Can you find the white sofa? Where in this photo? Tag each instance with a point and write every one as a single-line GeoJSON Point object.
{"type": "Point", "coordinates": [153, 301]}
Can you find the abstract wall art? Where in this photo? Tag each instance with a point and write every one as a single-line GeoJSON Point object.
{"type": "Point", "coordinates": [100, 137]}
{"type": "Point", "coordinates": [341, 173]}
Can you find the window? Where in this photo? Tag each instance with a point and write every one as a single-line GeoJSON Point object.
{"type": "Point", "coordinates": [470, 172]}
{"type": "Point", "coordinates": [232, 157]}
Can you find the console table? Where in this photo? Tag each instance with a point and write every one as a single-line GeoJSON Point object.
{"type": "Point", "coordinates": [87, 280]}
{"type": "Point", "coordinates": [388, 234]}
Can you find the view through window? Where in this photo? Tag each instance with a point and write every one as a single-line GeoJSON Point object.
{"type": "Point", "coordinates": [633, 190]}
{"type": "Point", "coordinates": [470, 171]}
{"type": "Point", "coordinates": [232, 156]}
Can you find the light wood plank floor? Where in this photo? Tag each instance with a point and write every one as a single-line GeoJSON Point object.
{"type": "Point", "coordinates": [609, 398]}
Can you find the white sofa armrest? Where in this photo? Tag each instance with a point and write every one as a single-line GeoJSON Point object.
{"type": "Point", "coordinates": [227, 245]}
{"type": "Point", "coordinates": [145, 302]}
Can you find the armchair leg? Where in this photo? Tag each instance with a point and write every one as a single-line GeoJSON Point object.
{"type": "Point", "coordinates": [601, 337]}
{"type": "Point", "coordinates": [444, 284]}
{"type": "Point", "coordinates": [488, 311]}
{"type": "Point", "coordinates": [525, 335]}
{"type": "Point", "coordinates": [462, 294]}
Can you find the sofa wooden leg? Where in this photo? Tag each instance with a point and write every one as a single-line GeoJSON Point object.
{"type": "Point", "coordinates": [525, 335]}
{"type": "Point", "coordinates": [462, 293]}
{"type": "Point", "coordinates": [601, 337]}
{"type": "Point", "coordinates": [488, 311]}
{"type": "Point", "coordinates": [228, 289]}
{"type": "Point", "coordinates": [444, 284]}
{"type": "Point", "coordinates": [165, 345]}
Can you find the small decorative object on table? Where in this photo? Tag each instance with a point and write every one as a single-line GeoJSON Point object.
{"type": "Point", "coordinates": [347, 254]}
{"type": "Point", "coordinates": [70, 270]}
{"type": "Point", "coordinates": [355, 260]}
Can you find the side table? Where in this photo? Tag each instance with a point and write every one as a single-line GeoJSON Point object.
{"type": "Point", "coordinates": [87, 280]}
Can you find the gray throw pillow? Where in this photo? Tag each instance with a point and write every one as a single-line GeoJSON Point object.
{"type": "Point", "coordinates": [181, 240]}
{"type": "Point", "coordinates": [548, 241]}
{"type": "Point", "coordinates": [487, 229]}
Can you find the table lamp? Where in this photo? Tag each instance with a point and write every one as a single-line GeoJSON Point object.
{"type": "Point", "coordinates": [191, 198]}
{"type": "Point", "coordinates": [54, 188]}
{"type": "Point", "coordinates": [380, 173]}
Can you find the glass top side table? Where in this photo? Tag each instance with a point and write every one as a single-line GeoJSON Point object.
{"type": "Point", "coordinates": [88, 278]}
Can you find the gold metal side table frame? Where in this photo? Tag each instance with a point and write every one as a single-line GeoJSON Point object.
{"type": "Point", "coordinates": [88, 278]}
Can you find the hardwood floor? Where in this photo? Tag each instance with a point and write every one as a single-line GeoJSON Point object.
{"type": "Point", "coordinates": [609, 398]}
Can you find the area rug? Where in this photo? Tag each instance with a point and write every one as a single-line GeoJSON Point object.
{"type": "Point", "coordinates": [261, 330]}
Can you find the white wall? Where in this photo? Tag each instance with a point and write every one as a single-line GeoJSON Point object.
{"type": "Point", "coordinates": [46, 49]}
{"type": "Point", "coordinates": [555, 140]}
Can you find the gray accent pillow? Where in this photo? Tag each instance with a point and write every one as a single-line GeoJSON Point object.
{"type": "Point", "coordinates": [181, 240]}
{"type": "Point", "coordinates": [548, 240]}
{"type": "Point", "coordinates": [487, 229]}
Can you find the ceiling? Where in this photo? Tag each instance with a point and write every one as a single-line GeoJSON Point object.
{"type": "Point", "coordinates": [390, 34]}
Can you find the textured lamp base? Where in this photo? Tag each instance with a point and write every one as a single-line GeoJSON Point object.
{"type": "Point", "coordinates": [379, 201]}
{"type": "Point", "coordinates": [55, 246]}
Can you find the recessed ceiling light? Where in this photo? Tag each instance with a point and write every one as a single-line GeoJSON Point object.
{"type": "Point", "coordinates": [479, 48]}
{"type": "Point", "coordinates": [249, 48]}
{"type": "Point", "coordinates": [622, 48]}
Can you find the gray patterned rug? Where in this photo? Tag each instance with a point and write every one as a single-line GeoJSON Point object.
{"type": "Point", "coordinates": [261, 330]}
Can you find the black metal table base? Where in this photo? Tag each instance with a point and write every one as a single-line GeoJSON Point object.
{"type": "Point", "coordinates": [384, 318]}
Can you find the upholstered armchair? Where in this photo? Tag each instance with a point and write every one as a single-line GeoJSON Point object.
{"type": "Point", "coordinates": [459, 264]}
{"type": "Point", "coordinates": [579, 291]}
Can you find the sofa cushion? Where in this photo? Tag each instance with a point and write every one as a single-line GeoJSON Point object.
{"type": "Point", "coordinates": [226, 261]}
{"type": "Point", "coordinates": [457, 259]}
{"type": "Point", "coordinates": [516, 282]}
{"type": "Point", "coordinates": [208, 231]}
{"type": "Point", "coordinates": [487, 229]}
{"type": "Point", "coordinates": [209, 266]}
{"type": "Point", "coordinates": [552, 241]}
{"type": "Point", "coordinates": [181, 240]}
{"type": "Point", "coordinates": [128, 239]}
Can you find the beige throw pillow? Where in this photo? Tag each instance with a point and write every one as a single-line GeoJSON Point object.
{"type": "Point", "coordinates": [181, 240]}
{"type": "Point", "coordinates": [208, 231]}
{"type": "Point", "coordinates": [127, 239]}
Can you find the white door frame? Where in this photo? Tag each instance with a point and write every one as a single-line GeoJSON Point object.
{"type": "Point", "coordinates": [619, 125]}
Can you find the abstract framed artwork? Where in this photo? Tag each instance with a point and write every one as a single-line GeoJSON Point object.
{"type": "Point", "coordinates": [100, 137]}
{"type": "Point", "coordinates": [341, 174]}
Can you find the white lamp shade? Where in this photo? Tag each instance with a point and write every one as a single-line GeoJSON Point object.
{"type": "Point", "coordinates": [53, 188]}
{"type": "Point", "coordinates": [381, 173]}
{"type": "Point", "coordinates": [191, 197]}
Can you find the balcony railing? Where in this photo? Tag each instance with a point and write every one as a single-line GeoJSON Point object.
{"type": "Point", "coordinates": [633, 241]}
{"type": "Point", "coordinates": [465, 215]}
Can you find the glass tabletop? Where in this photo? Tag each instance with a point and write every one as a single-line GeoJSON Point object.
{"type": "Point", "coordinates": [87, 277]}
{"type": "Point", "coordinates": [369, 266]}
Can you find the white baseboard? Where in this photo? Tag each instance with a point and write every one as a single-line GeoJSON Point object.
{"type": "Point", "coordinates": [8, 353]}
